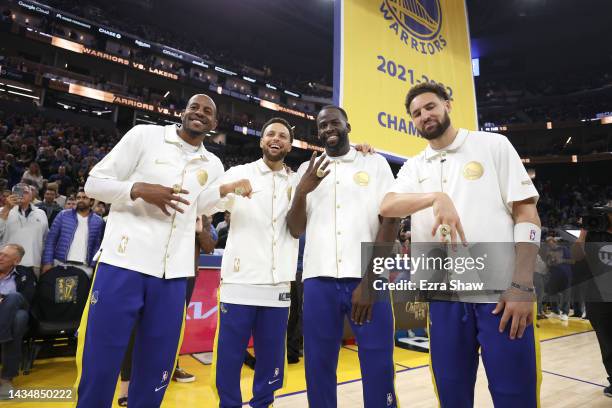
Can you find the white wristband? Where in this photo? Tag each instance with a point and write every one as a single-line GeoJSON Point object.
{"type": "Point", "coordinates": [527, 232]}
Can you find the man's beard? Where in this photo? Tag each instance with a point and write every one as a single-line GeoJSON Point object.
{"type": "Point", "coordinates": [279, 157]}
{"type": "Point", "coordinates": [194, 134]}
{"type": "Point", "coordinates": [342, 141]}
{"type": "Point", "coordinates": [438, 130]}
{"type": "Point", "coordinates": [81, 207]}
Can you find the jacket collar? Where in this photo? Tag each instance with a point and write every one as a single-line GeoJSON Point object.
{"type": "Point", "coordinates": [171, 136]}
{"type": "Point", "coordinates": [348, 157]}
{"type": "Point", "coordinates": [264, 169]}
{"type": "Point", "coordinates": [25, 212]}
{"type": "Point", "coordinates": [14, 272]}
{"type": "Point", "coordinates": [453, 147]}
{"type": "Point", "coordinates": [75, 212]}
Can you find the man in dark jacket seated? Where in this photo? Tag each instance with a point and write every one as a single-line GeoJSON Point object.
{"type": "Point", "coordinates": [17, 288]}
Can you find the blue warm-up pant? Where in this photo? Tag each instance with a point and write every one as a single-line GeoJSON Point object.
{"type": "Point", "coordinates": [236, 324]}
{"type": "Point", "coordinates": [327, 301]}
{"type": "Point", "coordinates": [457, 332]}
{"type": "Point", "coordinates": [119, 298]}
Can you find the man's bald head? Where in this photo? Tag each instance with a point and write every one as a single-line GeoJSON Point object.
{"type": "Point", "coordinates": [199, 116]}
{"type": "Point", "coordinates": [202, 98]}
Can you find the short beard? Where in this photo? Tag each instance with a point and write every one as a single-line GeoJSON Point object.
{"type": "Point", "coordinates": [342, 142]}
{"type": "Point", "coordinates": [194, 134]}
{"type": "Point", "coordinates": [80, 207]}
{"type": "Point", "coordinates": [438, 130]}
{"type": "Point", "coordinates": [271, 158]}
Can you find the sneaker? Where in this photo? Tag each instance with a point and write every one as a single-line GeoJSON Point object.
{"type": "Point", "coordinates": [563, 317]}
{"type": "Point", "coordinates": [5, 390]}
{"type": "Point", "coordinates": [182, 376]}
{"type": "Point", "coordinates": [608, 391]}
{"type": "Point", "coordinates": [584, 316]}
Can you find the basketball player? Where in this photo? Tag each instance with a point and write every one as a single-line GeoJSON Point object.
{"type": "Point", "coordinates": [472, 186]}
{"type": "Point", "coordinates": [158, 180]}
{"type": "Point", "coordinates": [259, 263]}
{"type": "Point", "coordinates": [336, 202]}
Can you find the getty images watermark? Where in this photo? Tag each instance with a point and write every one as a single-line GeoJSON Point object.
{"type": "Point", "coordinates": [480, 272]}
{"type": "Point", "coordinates": [403, 264]}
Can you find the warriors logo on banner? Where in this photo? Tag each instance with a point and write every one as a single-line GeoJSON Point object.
{"type": "Point", "coordinates": [382, 49]}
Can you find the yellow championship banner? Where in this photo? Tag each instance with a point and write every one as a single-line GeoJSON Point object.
{"type": "Point", "coordinates": [384, 47]}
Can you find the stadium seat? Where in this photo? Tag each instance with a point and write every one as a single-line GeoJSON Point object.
{"type": "Point", "coordinates": [56, 311]}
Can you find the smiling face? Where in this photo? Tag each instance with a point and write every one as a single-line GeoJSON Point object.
{"type": "Point", "coordinates": [275, 142]}
{"type": "Point", "coordinates": [200, 116]}
{"type": "Point", "coordinates": [430, 115]}
{"type": "Point", "coordinates": [333, 130]}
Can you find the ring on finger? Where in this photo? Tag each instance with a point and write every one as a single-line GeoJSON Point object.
{"type": "Point", "coordinates": [239, 191]}
{"type": "Point", "coordinates": [320, 173]}
{"type": "Point", "coordinates": [176, 188]}
{"type": "Point", "coordinates": [445, 230]}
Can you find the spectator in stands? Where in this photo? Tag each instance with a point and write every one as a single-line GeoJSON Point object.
{"type": "Point", "coordinates": [81, 176]}
{"type": "Point", "coordinates": [63, 181]}
{"type": "Point", "coordinates": [17, 288]}
{"type": "Point", "coordinates": [59, 157]}
{"type": "Point", "coordinates": [208, 242]}
{"type": "Point", "coordinates": [74, 238]}
{"type": "Point", "coordinates": [225, 222]}
{"type": "Point", "coordinates": [49, 205]}
{"type": "Point", "coordinates": [59, 199]}
{"type": "Point", "coordinates": [100, 209]}
{"type": "Point", "coordinates": [3, 172]}
{"type": "Point", "coordinates": [12, 170]}
{"type": "Point", "coordinates": [44, 159]}
{"type": "Point", "coordinates": [33, 175]}
{"type": "Point", "coordinates": [34, 191]}
{"type": "Point", "coordinates": [25, 156]}
{"type": "Point", "coordinates": [70, 203]}
{"type": "Point", "coordinates": [224, 231]}
{"type": "Point", "coordinates": [22, 223]}
{"type": "Point", "coordinates": [5, 195]}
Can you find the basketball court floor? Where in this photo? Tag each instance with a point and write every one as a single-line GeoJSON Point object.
{"type": "Point", "coordinates": [572, 376]}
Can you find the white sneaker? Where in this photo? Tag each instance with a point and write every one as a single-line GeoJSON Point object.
{"type": "Point", "coordinates": [584, 316]}
{"type": "Point", "coordinates": [563, 317]}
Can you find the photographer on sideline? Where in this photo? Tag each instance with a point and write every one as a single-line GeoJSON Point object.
{"type": "Point", "coordinates": [592, 244]}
